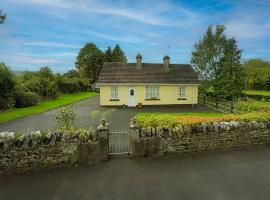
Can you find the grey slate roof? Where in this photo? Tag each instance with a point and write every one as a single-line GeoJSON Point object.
{"type": "Point", "coordinates": [116, 72]}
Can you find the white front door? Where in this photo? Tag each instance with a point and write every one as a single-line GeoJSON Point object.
{"type": "Point", "coordinates": [131, 97]}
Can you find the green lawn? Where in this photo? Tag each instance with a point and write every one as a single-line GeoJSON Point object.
{"type": "Point", "coordinates": [257, 92]}
{"type": "Point", "coordinates": [147, 114]}
{"type": "Point", "coordinates": [44, 106]}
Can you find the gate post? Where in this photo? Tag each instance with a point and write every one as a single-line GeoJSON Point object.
{"type": "Point", "coordinates": [134, 138]}
{"type": "Point", "coordinates": [103, 138]}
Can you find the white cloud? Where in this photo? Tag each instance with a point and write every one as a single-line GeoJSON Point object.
{"type": "Point", "coordinates": [52, 44]}
{"type": "Point", "coordinates": [122, 38]}
{"type": "Point", "coordinates": [248, 28]}
{"type": "Point", "coordinates": [27, 59]}
{"type": "Point", "coordinates": [148, 13]}
{"type": "Point", "coordinates": [258, 2]}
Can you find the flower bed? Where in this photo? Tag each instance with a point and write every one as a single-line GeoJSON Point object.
{"type": "Point", "coordinates": [172, 120]}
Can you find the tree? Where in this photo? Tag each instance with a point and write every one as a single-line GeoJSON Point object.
{"type": "Point", "coordinates": [230, 77]}
{"type": "Point", "coordinates": [46, 73]}
{"type": "Point", "coordinates": [2, 17]}
{"type": "Point", "coordinates": [108, 54]}
{"type": "Point", "coordinates": [216, 60]}
{"type": "Point", "coordinates": [7, 86]}
{"type": "Point", "coordinates": [71, 74]}
{"type": "Point", "coordinates": [257, 72]}
{"type": "Point", "coordinates": [90, 61]}
{"type": "Point", "coordinates": [118, 55]}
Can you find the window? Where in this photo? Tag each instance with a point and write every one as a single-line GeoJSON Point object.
{"type": "Point", "coordinates": [114, 92]}
{"type": "Point", "coordinates": [152, 92]}
{"type": "Point", "coordinates": [131, 92]}
{"type": "Point", "coordinates": [182, 92]}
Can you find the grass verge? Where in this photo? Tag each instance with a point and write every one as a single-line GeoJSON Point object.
{"type": "Point", "coordinates": [44, 106]}
{"type": "Point", "coordinates": [257, 92]}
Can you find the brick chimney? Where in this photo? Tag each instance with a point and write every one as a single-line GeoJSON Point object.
{"type": "Point", "coordinates": [139, 61]}
{"type": "Point", "coordinates": [166, 63]}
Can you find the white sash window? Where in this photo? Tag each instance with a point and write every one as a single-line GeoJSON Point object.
{"type": "Point", "coordinates": [114, 92]}
{"type": "Point", "coordinates": [152, 92]}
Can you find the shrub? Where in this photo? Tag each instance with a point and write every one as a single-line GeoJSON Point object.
{"type": "Point", "coordinates": [68, 85]}
{"type": "Point", "coordinates": [7, 102]}
{"type": "Point", "coordinates": [167, 121]}
{"type": "Point", "coordinates": [65, 118]}
{"type": "Point", "coordinates": [252, 106]}
{"type": "Point", "coordinates": [7, 84]}
{"type": "Point", "coordinates": [25, 99]}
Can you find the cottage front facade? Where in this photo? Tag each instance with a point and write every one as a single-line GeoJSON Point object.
{"type": "Point", "coordinates": [139, 84]}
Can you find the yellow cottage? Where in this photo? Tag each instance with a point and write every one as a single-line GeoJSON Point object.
{"type": "Point", "coordinates": [139, 84]}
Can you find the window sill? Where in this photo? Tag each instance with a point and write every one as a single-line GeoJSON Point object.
{"type": "Point", "coordinates": [114, 100]}
{"type": "Point", "coordinates": [153, 99]}
{"type": "Point", "coordinates": [181, 98]}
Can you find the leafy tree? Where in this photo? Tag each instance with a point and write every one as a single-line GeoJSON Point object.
{"type": "Point", "coordinates": [47, 73]}
{"type": "Point", "coordinates": [118, 55]}
{"type": "Point", "coordinates": [7, 86]}
{"type": "Point", "coordinates": [230, 77]}
{"type": "Point", "coordinates": [216, 59]}
{"type": "Point", "coordinates": [2, 17]}
{"type": "Point", "coordinates": [71, 74]}
{"type": "Point", "coordinates": [108, 54]}
{"type": "Point", "coordinates": [90, 61]}
{"type": "Point", "coordinates": [256, 72]}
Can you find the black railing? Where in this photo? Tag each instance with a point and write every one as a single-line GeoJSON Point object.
{"type": "Point", "coordinates": [218, 104]}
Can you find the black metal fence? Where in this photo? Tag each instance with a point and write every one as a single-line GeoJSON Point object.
{"type": "Point", "coordinates": [218, 104]}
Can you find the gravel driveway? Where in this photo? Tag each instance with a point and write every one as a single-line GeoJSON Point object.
{"type": "Point", "coordinates": [119, 119]}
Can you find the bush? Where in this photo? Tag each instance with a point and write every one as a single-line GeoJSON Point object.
{"type": "Point", "coordinates": [25, 99]}
{"type": "Point", "coordinates": [67, 85]}
{"type": "Point", "coordinates": [65, 118]}
{"type": "Point", "coordinates": [7, 84]}
{"type": "Point", "coordinates": [252, 106]}
{"type": "Point", "coordinates": [7, 102]}
{"type": "Point", "coordinates": [169, 121]}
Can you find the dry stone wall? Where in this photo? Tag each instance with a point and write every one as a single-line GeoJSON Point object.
{"type": "Point", "coordinates": [223, 135]}
{"type": "Point", "coordinates": [61, 148]}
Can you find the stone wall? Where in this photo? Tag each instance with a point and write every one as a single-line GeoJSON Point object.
{"type": "Point", "coordinates": [223, 135]}
{"type": "Point", "coordinates": [37, 150]}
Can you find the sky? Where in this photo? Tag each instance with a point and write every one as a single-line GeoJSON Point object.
{"type": "Point", "coordinates": [51, 32]}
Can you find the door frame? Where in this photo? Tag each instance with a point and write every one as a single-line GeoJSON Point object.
{"type": "Point", "coordinates": [131, 103]}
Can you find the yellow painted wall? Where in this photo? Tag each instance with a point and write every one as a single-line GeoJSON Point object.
{"type": "Point", "coordinates": [168, 94]}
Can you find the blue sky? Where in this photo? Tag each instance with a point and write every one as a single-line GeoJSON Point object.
{"type": "Point", "coordinates": [51, 32]}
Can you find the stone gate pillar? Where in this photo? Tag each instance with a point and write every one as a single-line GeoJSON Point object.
{"type": "Point", "coordinates": [134, 139]}
{"type": "Point", "coordinates": [103, 138]}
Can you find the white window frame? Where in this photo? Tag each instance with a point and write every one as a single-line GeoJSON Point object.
{"type": "Point", "coordinates": [182, 92]}
{"type": "Point", "coordinates": [152, 92]}
{"type": "Point", "coordinates": [114, 92]}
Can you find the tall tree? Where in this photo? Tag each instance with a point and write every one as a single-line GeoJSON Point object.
{"type": "Point", "coordinates": [90, 61]}
{"type": "Point", "coordinates": [108, 54]}
{"type": "Point", "coordinates": [216, 59]}
{"type": "Point", "coordinates": [118, 55]}
{"type": "Point", "coordinates": [2, 17]}
{"type": "Point", "coordinates": [230, 77]}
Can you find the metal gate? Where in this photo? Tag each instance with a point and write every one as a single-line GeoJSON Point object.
{"type": "Point", "coordinates": [119, 142]}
